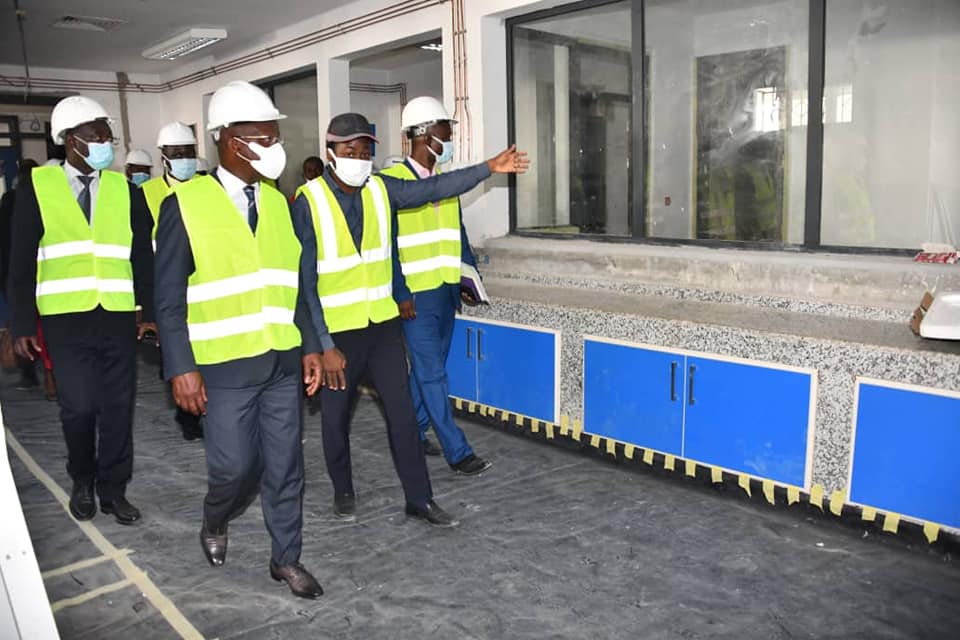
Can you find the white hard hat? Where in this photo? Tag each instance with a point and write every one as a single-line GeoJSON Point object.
{"type": "Point", "coordinates": [424, 110]}
{"type": "Point", "coordinates": [139, 156]}
{"type": "Point", "coordinates": [240, 101]}
{"type": "Point", "coordinates": [174, 134]}
{"type": "Point", "coordinates": [202, 164]}
{"type": "Point", "coordinates": [73, 111]}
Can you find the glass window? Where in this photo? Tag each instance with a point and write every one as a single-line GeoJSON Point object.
{"type": "Point", "coordinates": [572, 112]}
{"type": "Point", "coordinates": [728, 101]}
{"type": "Point", "coordinates": [891, 156]}
{"type": "Point", "coordinates": [297, 99]}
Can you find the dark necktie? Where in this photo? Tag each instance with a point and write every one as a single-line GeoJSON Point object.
{"type": "Point", "coordinates": [84, 198]}
{"type": "Point", "coordinates": [252, 214]}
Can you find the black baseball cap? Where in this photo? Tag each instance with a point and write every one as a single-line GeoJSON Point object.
{"type": "Point", "coordinates": [349, 126]}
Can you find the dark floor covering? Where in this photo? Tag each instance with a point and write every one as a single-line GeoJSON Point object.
{"type": "Point", "coordinates": [553, 544]}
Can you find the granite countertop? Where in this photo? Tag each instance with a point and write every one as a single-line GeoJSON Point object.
{"type": "Point", "coordinates": [877, 333]}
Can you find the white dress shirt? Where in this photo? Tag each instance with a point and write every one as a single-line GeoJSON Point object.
{"type": "Point", "coordinates": [73, 177]}
{"type": "Point", "coordinates": [234, 188]}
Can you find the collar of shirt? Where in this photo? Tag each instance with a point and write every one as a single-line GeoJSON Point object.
{"type": "Point", "coordinates": [234, 188]}
{"type": "Point", "coordinates": [73, 178]}
{"type": "Point", "coordinates": [421, 170]}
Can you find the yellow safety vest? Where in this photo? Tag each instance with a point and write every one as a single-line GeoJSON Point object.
{"type": "Point", "coordinates": [355, 289]}
{"type": "Point", "coordinates": [428, 239]}
{"type": "Point", "coordinates": [83, 265]}
{"type": "Point", "coordinates": [155, 190]}
{"type": "Point", "coordinates": [242, 294]}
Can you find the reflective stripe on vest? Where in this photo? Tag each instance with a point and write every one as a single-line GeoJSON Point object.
{"type": "Point", "coordinates": [355, 287]}
{"type": "Point", "coordinates": [242, 294]}
{"type": "Point", "coordinates": [81, 265]}
{"type": "Point", "coordinates": [428, 239]}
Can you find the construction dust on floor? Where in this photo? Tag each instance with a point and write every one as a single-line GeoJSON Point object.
{"type": "Point", "coordinates": [553, 544]}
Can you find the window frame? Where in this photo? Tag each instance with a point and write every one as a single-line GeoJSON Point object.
{"type": "Point", "coordinates": [817, 10]}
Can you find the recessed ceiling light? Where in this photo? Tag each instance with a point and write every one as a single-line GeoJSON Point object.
{"type": "Point", "coordinates": [87, 23]}
{"type": "Point", "coordinates": [184, 43]}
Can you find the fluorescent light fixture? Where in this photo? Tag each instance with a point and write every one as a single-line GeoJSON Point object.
{"type": "Point", "coordinates": [184, 43]}
{"type": "Point", "coordinates": [433, 46]}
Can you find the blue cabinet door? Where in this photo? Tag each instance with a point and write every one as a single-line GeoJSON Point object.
{"type": "Point", "coordinates": [748, 418]}
{"type": "Point", "coordinates": [462, 360]}
{"type": "Point", "coordinates": [905, 453]}
{"type": "Point", "coordinates": [517, 370]}
{"type": "Point", "coordinates": [634, 395]}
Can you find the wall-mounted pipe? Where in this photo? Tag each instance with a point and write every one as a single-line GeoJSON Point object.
{"type": "Point", "coordinates": [400, 89]}
{"type": "Point", "coordinates": [347, 26]}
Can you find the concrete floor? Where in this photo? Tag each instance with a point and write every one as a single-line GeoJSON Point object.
{"type": "Point", "coordinates": [554, 544]}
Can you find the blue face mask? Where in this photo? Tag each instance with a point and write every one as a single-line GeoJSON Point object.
{"type": "Point", "coordinates": [182, 168]}
{"type": "Point", "coordinates": [99, 155]}
{"type": "Point", "coordinates": [447, 154]}
{"type": "Point", "coordinates": [138, 178]}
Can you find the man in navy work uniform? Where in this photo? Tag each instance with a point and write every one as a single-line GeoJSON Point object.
{"type": "Point", "coordinates": [431, 242]}
{"type": "Point", "coordinates": [81, 257]}
{"type": "Point", "coordinates": [344, 220]}
{"type": "Point", "coordinates": [231, 320]}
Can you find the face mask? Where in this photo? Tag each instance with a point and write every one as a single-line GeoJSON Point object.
{"type": "Point", "coordinates": [272, 159]}
{"type": "Point", "coordinates": [352, 171]}
{"type": "Point", "coordinates": [182, 168]}
{"type": "Point", "coordinates": [137, 178]}
{"type": "Point", "coordinates": [444, 156]}
{"type": "Point", "coordinates": [99, 154]}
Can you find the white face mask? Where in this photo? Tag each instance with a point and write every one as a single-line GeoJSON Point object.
{"type": "Point", "coordinates": [352, 171]}
{"type": "Point", "coordinates": [272, 160]}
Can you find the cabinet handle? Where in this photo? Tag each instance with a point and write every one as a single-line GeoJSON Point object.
{"type": "Point", "coordinates": [673, 382]}
{"type": "Point", "coordinates": [469, 343]}
{"type": "Point", "coordinates": [690, 398]}
{"type": "Point", "coordinates": [479, 344]}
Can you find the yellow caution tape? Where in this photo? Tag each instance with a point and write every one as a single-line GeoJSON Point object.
{"type": "Point", "coordinates": [611, 447]}
{"type": "Point", "coordinates": [458, 403]}
{"type": "Point", "coordinates": [472, 407]}
{"type": "Point", "coordinates": [669, 462]}
{"type": "Point", "coordinates": [869, 514]}
{"type": "Point", "coordinates": [768, 491]}
{"type": "Point", "coordinates": [648, 456]}
{"type": "Point", "coordinates": [550, 427]}
{"type": "Point", "coordinates": [744, 482]}
{"type": "Point", "coordinates": [595, 442]}
{"type": "Point", "coordinates": [564, 424]}
{"type": "Point", "coordinates": [628, 451]}
{"type": "Point", "coordinates": [519, 420]}
{"type": "Point", "coordinates": [932, 531]}
{"type": "Point", "coordinates": [716, 475]}
{"type": "Point", "coordinates": [691, 468]}
{"type": "Point", "coordinates": [836, 502]}
{"type": "Point", "coordinates": [505, 416]}
{"type": "Point", "coordinates": [793, 495]}
{"type": "Point", "coordinates": [816, 496]}
{"type": "Point", "coordinates": [492, 412]}
{"type": "Point", "coordinates": [891, 522]}
{"type": "Point", "coordinates": [536, 426]}
{"type": "Point", "coordinates": [577, 430]}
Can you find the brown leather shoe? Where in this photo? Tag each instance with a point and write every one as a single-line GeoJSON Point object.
{"type": "Point", "coordinates": [214, 545]}
{"type": "Point", "coordinates": [301, 583]}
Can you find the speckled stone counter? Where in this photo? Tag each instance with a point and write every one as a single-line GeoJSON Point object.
{"type": "Point", "coordinates": [839, 348]}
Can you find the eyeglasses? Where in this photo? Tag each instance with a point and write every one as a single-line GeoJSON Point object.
{"type": "Point", "coordinates": [113, 141]}
{"type": "Point", "coordinates": [264, 141]}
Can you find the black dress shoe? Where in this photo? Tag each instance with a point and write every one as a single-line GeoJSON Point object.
{"type": "Point", "coordinates": [433, 514]}
{"type": "Point", "coordinates": [471, 466]}
{"type": "Point", "coordinates": [214, 545]}
{"type": "Point", "coordinates": [123, 511]}
{"type": "Point", "coordinates": [345, 506]}
{"type": "Point", "coordinates": [430, 448]}
{"type": "Point", "coordinates": [301, 583]}
{"type": "Point", "coordinates": [82, 504]}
